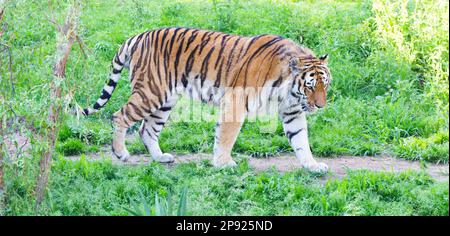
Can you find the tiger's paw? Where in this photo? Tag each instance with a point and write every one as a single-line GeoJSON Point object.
{"type": "Point", "coordinates": [319, 167]}
{"type": "Point", "coordinates": [164, 158]}
{"type": "Point", "coordinates": [223, 162]}
{"type": "Point", "coordinates": [123, 155]}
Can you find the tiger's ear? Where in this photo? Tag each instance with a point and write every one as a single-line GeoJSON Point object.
{"type": "Point", "coordinates": [324, 58]}
{"type": "Point", "coordinates": [293, 66]}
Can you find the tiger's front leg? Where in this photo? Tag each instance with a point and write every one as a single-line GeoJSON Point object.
{"type": "Point", "coordinates": [232, 115]}
{"type": "Point", "coordinates": [296, 130]}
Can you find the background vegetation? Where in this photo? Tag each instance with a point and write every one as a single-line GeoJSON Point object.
{"type": "Point", "coordinates": [389, 61]}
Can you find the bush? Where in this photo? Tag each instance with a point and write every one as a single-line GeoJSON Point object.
{"type": "Point", "coordinates": [71, 147]}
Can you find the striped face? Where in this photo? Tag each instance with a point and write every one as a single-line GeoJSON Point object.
{"type": "Point", "coordinates": [311, 82]}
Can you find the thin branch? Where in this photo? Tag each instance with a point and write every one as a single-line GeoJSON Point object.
{"type": "Point", "coordinates": [83, 47]}
{"type": "Point", "coordinates": [65, 37]}
{"type": "Point", "coordinates": [19, 150]}
{"type": "Point", "coordinates": [7, 48]}
{"type": "Point", "coordinates": [51, 16]}
{"type": "Point", "coordinates": [2, 11]}
{"type": "Point", "coordinates": [11, 79]}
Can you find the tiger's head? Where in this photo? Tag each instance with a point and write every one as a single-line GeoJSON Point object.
{"type": "Point", "coordinates": [311, 81]}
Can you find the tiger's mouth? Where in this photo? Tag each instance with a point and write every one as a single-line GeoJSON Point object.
{"type": "Point", "coordinates": [310, 109]}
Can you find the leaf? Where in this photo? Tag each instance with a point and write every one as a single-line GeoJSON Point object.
{"type": "Point", "coordinates": [169, 204]}
{"type": "Point", "coordinates": [182, 203]}
{"type": "Point", "coordinates": [159, 208]}
{"type": "Point", "coordinates": [144, 202]}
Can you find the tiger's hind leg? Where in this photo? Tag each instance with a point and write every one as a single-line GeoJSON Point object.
{"type": "Point", "coordinates": [151, 128]}
{"type": "Point", "coordinates": [133, 111]}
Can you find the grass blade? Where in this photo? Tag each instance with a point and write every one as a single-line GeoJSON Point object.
{"type": "Point", "coordinates": [144, 202]}
{"type": "Point", "coordinates": [182, 203]}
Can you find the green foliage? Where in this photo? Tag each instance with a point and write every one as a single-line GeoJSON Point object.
{"type": "Point", "coordinates": [163, 206]}
{"type": "Point", "coordinates": [100, 188]}
{"type": "Point", "coordinates": [71, 147]}
{"type": "Point", "coordinates": [434, 148]}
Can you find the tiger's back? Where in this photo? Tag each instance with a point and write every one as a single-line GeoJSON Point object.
{"type": "Point", "coordinates": [202, 62]}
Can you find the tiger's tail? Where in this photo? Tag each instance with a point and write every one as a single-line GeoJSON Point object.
{"type": "Point", "coordinates": [121, 60]}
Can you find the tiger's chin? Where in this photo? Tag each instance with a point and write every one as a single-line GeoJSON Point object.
{"type": "Point", "coordinates": [312, 109]}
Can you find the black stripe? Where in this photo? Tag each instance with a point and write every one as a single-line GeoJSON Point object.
{"type": "Point", "coordinates": [112, 83]}
{"type": "Point", "coordinates": [231, 55]}
{"type": "Point", "coordinates": [252, 42]}
{"type": "Point", "coordinates": [177, 57]}
{"type": "Point", "coordinates": [184, 80]}
{"type": "Point", "coordinates": [257, 52]}
{"type": "Point", "coordinates": [295, 95]}
{"type": "Point", "coordinates": [166, 31]}
{"type": "Point", "coordinates": [156, 39]}
{"type": "Point", "coordinates": [155, 130]}
{"type": "Point", "coordinates": [155, 116]}
{"type": "Point", "coordinates": [292, 113]}
{"type": "Point", "coordinates": [166, 60]}
{"type": "Point", "coordinates": [205, 41]}
{"type": "Point", "coordinates": [165, 108]}
{"type": "Point", "coordinates": [105, 95]}
{"type": "Point", "coordinates": [204, 68]}
{"type": "Point", "coordinates": [290, 135]}
{"type": "Point", "coordinates": [290, 120]}
{"type": "Point", "coordinates": [136, 43]}
{"type": "Point", "coordinates": [183, 34]}
{"type": "Point", "coordinates": [219, 75]}
{"type": "Point", "coordinates": [222, 47]}
{"type": "Point", "coordinates": [154, 90]}
{"type": "Point", "coordinates": [114, 71]}
{"type": "Point", "coordinates": [136, 110]}
{"type": "Point", "coordinates": [190, 61]}
{"type": "Point", "coordinates": [142, 96]}
{"type": "Point", "coordinates": [139, 61]}
{"type": "Point", "coordinates": [172, 40]}
{"type": "Point", "coordinates": [277, 82]}
{"type": "Point", "coordinates": [191, 39]}
{"type": "Point", "coordinates": [116, 60]}
{"type": "Point", "coordinates": [150, 135]}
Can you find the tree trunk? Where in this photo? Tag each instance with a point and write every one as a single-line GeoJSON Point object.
{"type": "Point", "coordinates": [65, 37]}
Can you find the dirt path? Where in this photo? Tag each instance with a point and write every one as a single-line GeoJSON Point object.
{"type": "Point", "coordinates": [287, 162]}
{"type": "Point", "coordinates": [283, 163]}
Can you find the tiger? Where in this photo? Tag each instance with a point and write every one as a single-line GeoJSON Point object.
{"type": "Point", "coordinates": [167, 63]}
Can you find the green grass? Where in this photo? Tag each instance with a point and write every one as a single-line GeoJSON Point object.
{"type": "Point", "coordinates": [389, 95]}
{"type": "Point", "coordinates": [100, 188]}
